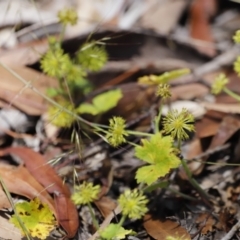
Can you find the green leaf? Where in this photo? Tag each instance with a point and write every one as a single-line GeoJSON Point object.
{"type": "Point", "coordinates": [168, 76]}
{"type": "Point", "coordinates": [163, 78]}
{"type": "Point", "coordinates": [87, 108]}
{"type": "Point", "coordinates": [114, 231]}
{"type": "Point", "coordinates": [108, 100]}
{"type": "Point", "coordinates": [101, 103]}
{"type": "Point", "coordinates": [160, 153]}
{"type": "Point", "coordinates": [148, 174]}
{"type": "Point", "coordinates": [36, 216]}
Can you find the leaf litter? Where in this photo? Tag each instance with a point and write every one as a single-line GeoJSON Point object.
{"type": "Point", "coordinates": [212, 152]}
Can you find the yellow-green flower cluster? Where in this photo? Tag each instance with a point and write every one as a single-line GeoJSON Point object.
{"type": "Point", "coordinates": [236, 37]}
{"type": "Point", "coordinates": [116, 133]}
{"type": "Point", "coordinates": [55, 63]}
{"type": "Point", "coordinates": [68, 16]}
{"type": "Point", "coordinates": [178, 124]}
{"type": "Point", "coordinates": [219, 84]}
{"type": "Point", "coordinates": [85, 193]}
{"type": "Point", "coordinates": [133, 204]}
{"type": "Point", "coordinates": [163, 91]}
{"type": "Point", "coordinates": [92, 56]}
{"type": "Point", "coordinates": [59, 117]}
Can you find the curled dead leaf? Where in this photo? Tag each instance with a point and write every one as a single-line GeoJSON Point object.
{"type": "Point", "coordinates": [66, 211]}
{"type": "Point", "coordinates": [163, 229]}
{"type": "Point", "coordinates": [18, 180]}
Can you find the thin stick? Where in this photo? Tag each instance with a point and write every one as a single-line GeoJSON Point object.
{"type": "Point", "coordinates": [233, 230]}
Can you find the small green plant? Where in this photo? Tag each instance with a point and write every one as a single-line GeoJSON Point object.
{"type": "Point", "coordinates": [157, 149]}
{"type": "Point", "coordinates": [72, 76]}
{"type": "Point", "coordinates": [133, 204]}
{"type": "Point", "coordinates": [86, 193]}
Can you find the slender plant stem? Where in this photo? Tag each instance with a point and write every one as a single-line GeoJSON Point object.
{"type": "Point", "coordinates": [179, 144]}
{"type": "Point", "coordinates": [136, 133]}
{"type": "Point", "coordinates": [158, 118]}
{"type": "Point", "coordinates": [95, 223]}
{"type": "Point", "coordinates": [182, 194]}
{"type": "Point", "coordinates": [193, 182]}
{"type": "Point", "coordinates": [122, 220]}
{"type": "Point", "coordinates": [62, 33]}
{"type": "Point", "coordinates": [232, 94]}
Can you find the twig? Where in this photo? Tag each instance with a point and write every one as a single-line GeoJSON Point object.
{"type": "Point", "coordinates": [233, 230]}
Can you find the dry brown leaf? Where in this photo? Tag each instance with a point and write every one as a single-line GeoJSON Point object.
{"type": "Point", "coordinates": [206, 127]}
{"type": "Point", "coordinates": [227, 128]}
{"type": "Point", "coordinates": [206, 223]}
{"type": "Point", "coordinates": [200, 26]}
{"type": "Point", "coordinates": [162, 229]}
{"type": "Point", "coordinates": [189, 91]}
{"type": "Point", "coordinates": [18, 180]}
{"type": "Point", "coordinates": [223, 107]}
{"type": "Point", "coordinates": [193, 150]}
{"type": "Point", "coordinates": [4, 202]}
{"type": "Point", "coordinates": [24, 54]}
{"type": "Point", "coordinates": [66, 211]}
{"type": "Point", "coordinates": [225, 219]}
{"type": "Point", "coordinates": [67, 214]}
{"type": "Point", "coordinates": [13, 91]}
{"type": "Point", "coordinates": [105, 205]}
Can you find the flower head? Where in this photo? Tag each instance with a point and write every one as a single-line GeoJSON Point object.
{"type": "Point", "coordinates": [116, 133]}
{"type": "Point", "coordinates": [68, 16]}
{"type": "Point", "coordinates": [236, 66]}
{"type": "Point", "coordinates": [76, 78]}
{"type": "Point", "coordinates": [133, 204]}
{"type": "Point", "coordinates": [177, 123]}
{"type": "Point", "coordinates": [92, 56]}
{"type": "Point", "coordinates": [236, 37]}
{"type": "Point", "coordinates": [85, 193]}
{"type": "Point", "coordinates": [163, 91]}
{"type": "Point", "coordinates": [55, 63]}
{"type": "Point", "coordinates": [59, 117]}
{"type": "Point", "coordinates": [219, 83]}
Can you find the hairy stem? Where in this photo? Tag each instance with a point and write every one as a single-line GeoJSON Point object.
{"type": "Point", "coordinates": [95, 223]}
